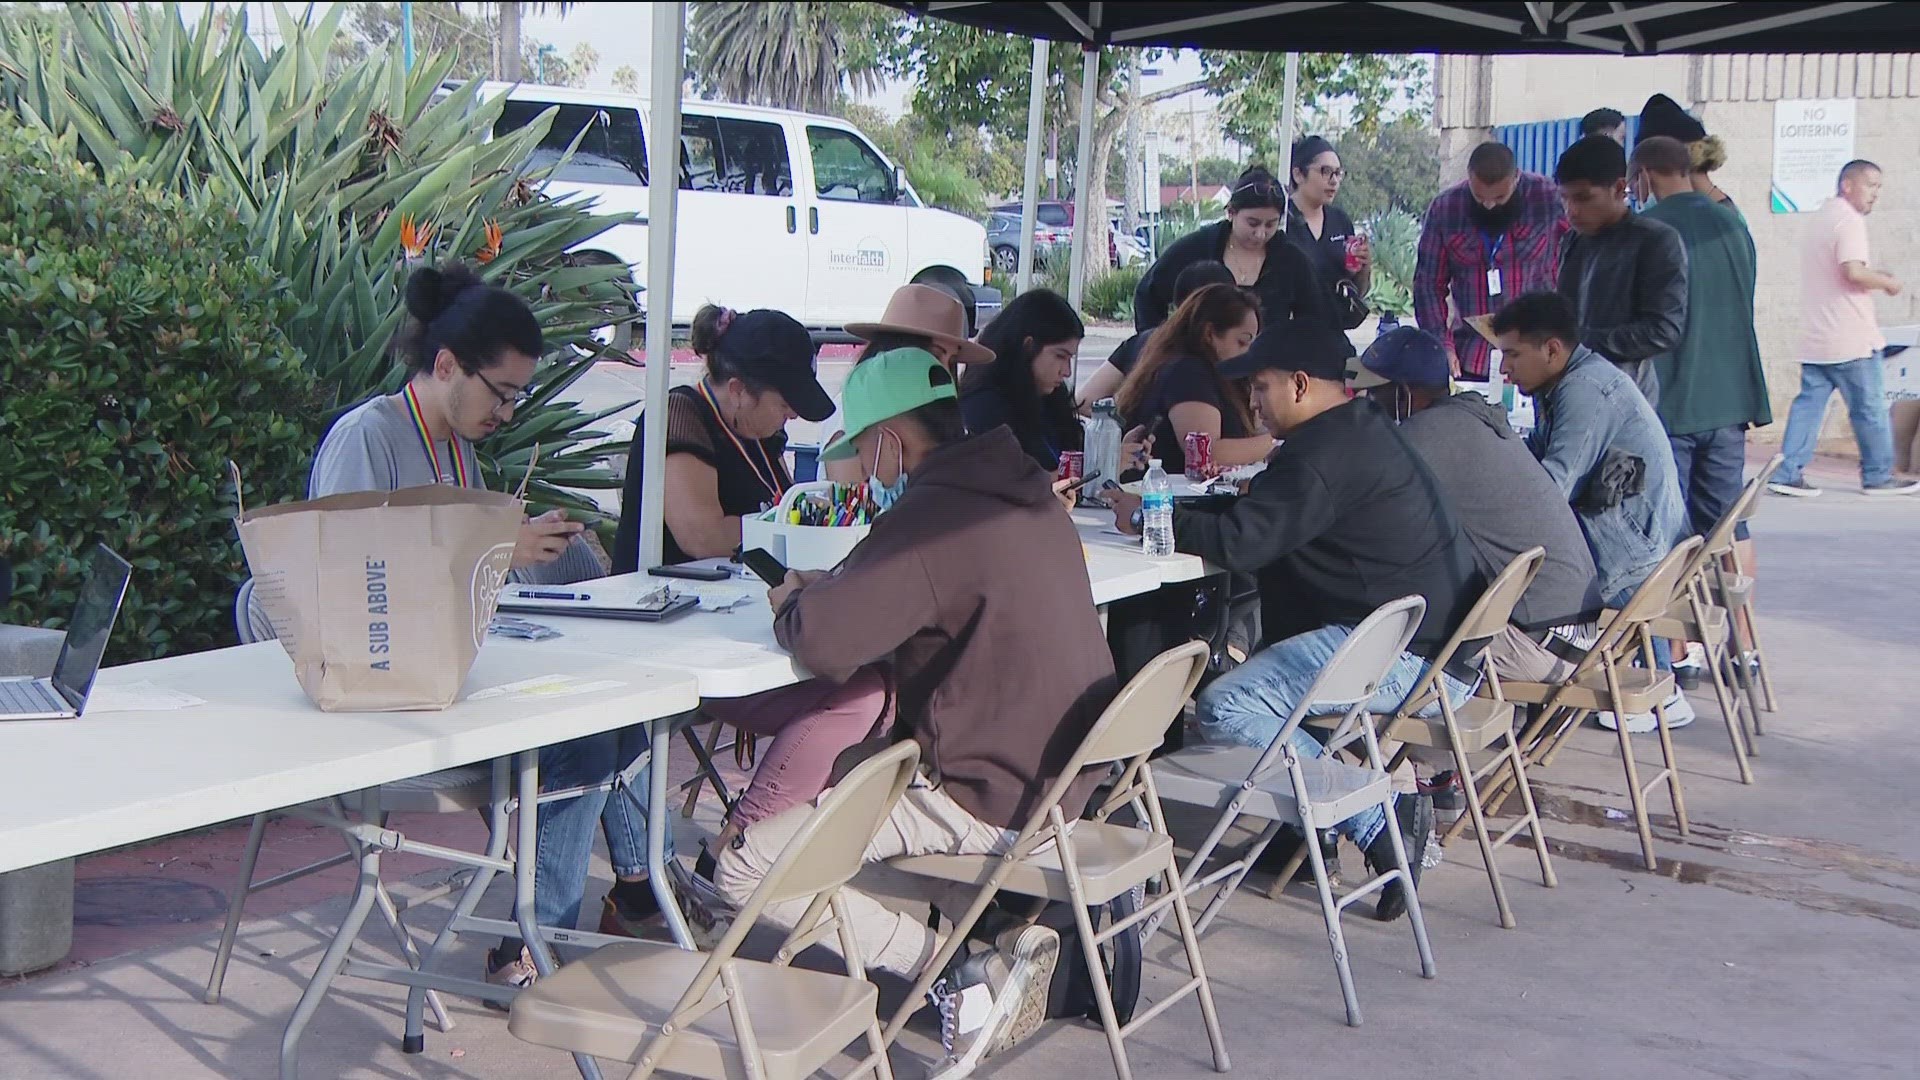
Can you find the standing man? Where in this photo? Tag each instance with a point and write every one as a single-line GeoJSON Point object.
{"type": "Point", "coordinates": [1840, 341]}
{"type": "Point", "coordinates": [1626, 274]}
{"type": "Point", "coordinates": [1713, 387]}
{"type": "Point", "coordinates": [1494, 236]}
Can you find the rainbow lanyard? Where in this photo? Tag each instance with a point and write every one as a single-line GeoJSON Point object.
{"type": "Point", "coordinates": [426, 443]}
{"type": "Point", "coordinates": [770, 478]}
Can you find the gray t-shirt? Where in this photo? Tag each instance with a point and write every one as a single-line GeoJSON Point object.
{"type": "Point", "coordinates": [376, 448]}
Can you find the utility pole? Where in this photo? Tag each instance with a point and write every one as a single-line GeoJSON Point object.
{"type": "Point", "coordinates": [1193, 151]}
{"type": "Point", "coordinates": [1286, 108]}
{"type": "Point", "coordinates": [1133, 193]}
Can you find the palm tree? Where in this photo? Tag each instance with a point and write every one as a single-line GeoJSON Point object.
{"type": "Point", "coordinates": [509, 61]}
{"type": "Point", "coordinates": [788, 55]}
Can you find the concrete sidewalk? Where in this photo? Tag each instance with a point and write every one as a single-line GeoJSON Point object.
{"type": "Point", "coordinates": [1778, 940]}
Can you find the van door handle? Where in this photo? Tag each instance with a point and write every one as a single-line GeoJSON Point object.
{"type": "Point", "coordinates": [813, 220]}
{"type": "Point", "coordinates": [793, 221]}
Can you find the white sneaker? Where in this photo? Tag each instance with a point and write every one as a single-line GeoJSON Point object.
{"type": "Point", "coordinates": [993, 1000]}
{"type": "Point", "coordinates": [1679, 714]}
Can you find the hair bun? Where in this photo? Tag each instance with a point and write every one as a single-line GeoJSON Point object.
{"type": "Point", "coordinates": [1254, 174]}
{"type": "Point", "coordinates": [432, 290]}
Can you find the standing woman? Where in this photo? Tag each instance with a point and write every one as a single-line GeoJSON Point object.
{"type": "Point", "coordinates": [1177, 388]}
{"type": "Point", "coordinates": [1322, 230]}
{"type": "Point", "coordinates": [1252, 243]}
{"type": "Point", "coordinates": [726, 435]}
{"type": "Point", "coordinates": [1035, 340]}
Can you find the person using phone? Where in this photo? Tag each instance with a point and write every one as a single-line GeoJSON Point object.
{"type": "Point", "coordinates": [726, 434]}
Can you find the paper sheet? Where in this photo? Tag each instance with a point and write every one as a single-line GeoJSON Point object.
{"type": "Point", "coordinates": [139, 697]}
{"type": "Point", "coordinates": [544, 686]}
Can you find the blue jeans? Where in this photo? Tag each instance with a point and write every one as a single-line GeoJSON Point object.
{"type": "Point", "coordinates": [1248, 705]}
{"type": "Point", "coordinates": [1712, 465]}
{"type": "Point", "coordinates": [1863, 386]}
{"type": "Point", "coordinates": [566, 825]}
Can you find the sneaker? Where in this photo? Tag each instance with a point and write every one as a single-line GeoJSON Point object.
{"type": "Point", "coordinates": [993, 1000]}
{"type": "Point", "coordinates": [1891, 487]}
{"type": "Point", "coordinates": [1799, 489]}
{"type": "Point", "coordinates": [1445, 791]}
{"type": "Point", "coordinates": [631, 910]}
{"type": "Point", "coordinates": [517, 973]}
{"type": "Point", "coordinates": [1414, 817]}
{"type": "Point", "coordinates": [1679, 714]}
{"type": "Point", "coordinates": [1679, 711]}
{"type": "Point", "coordinates": [1689, 672]}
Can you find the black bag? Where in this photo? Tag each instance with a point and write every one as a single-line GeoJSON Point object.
{"type": "Point", "coordinates": [1071, 993]}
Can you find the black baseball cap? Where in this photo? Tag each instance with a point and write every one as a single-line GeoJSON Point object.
{"type": "Point", "coordinates": [1406, 355]}
{"type": "Point", "coordinates": [773, 348]}
{"type": "Point", "coordinates": [1321, 352]}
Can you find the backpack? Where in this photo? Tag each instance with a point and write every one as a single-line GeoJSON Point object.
{"type": "Point", "coordinates": [1071, 992]}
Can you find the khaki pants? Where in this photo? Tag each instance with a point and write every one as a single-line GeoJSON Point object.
{"type": "Point", "coordinates": [1519, 658]}
{"type": "Point", "coordinates": [924, 822]}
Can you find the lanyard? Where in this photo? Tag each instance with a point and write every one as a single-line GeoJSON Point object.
{"type": "Point", "coordinates": [770, 479]}
{"type": "Point", "coordinates": [1492, 246]}
{"type": "Point", "coordinates": [426, 443]}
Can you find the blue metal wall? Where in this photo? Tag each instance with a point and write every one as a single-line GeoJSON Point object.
{"type": "Point", "coordinates": [1537, 146]}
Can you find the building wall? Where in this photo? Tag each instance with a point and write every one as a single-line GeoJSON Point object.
{"type": "Point", "coordinates": [1734, 97]}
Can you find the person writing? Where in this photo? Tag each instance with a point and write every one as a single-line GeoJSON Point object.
{"type": "Point", "coordinates": [1106, 379]}
{"type": "Point", "coordinates": [471, 351]}
{"type": "Point", "coordinates": [726, 435]}
{"type": "Point", "coordinates": [1323, 230]}
{"type": "Point", "coordinates": [1252, 243]}
{"type": "Point", "coordinates": [1035, 340]}
{"type": "Point", "coordinates": [1177, 387]}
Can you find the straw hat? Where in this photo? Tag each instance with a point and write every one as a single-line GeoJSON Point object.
{"type": "Point", "coordinates": [929, 312]}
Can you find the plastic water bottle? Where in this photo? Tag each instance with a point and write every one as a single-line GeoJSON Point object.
{"type": "Point", "coordinates": [1103, 444]}
{"type": "Point", "coordinates": [1156, 505]}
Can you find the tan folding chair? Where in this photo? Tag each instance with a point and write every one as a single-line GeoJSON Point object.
{"type": "Point", "coordinates": [1090, 861]}
{"type": "Point", "coordinates": [1606, 680]}
{"type": "Point", "coordinates": [1731, 587]}
{"type": "Point", "coordinates": [716, 1015]}
{"type": "Point", "coordinates": [1279, 787]}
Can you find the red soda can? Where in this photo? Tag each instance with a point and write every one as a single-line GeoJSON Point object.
{"type": "Point", "coordinates": [1354, 244]}
{"type": "Point", "coordinates": [1073, 464]}
{"type": "Point", "coordinates": [1199, 455]}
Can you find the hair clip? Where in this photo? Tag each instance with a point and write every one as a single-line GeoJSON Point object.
{"type": "Point", "coordinates": [726, 319]}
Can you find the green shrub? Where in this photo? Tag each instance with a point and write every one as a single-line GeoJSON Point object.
{"type": "Point", "coordinates": [143, 350]}
{"type": "Point", "coordinates": [1396, 248]}
{"type": "Point", "coordinates": [1110, 296]}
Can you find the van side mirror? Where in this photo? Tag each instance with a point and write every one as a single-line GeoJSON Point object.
{"type": "Point", "coordinates": [899, 182]}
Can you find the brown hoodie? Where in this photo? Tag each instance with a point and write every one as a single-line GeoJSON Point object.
{"type": "Point", "coordinates": [975, 586]}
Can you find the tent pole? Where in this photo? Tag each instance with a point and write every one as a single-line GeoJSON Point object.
{"type": "Point", "coordinates": [1286, 114]}
{"type": "Point", "coordinates": [663, 192]}
{"type": "Point", "coordinates": [1083, 179]}
{"type": "Point", "coordinates": [1030, 193]}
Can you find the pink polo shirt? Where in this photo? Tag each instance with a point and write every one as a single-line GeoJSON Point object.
{"type": "Point", "coordinates": [1836, 316]}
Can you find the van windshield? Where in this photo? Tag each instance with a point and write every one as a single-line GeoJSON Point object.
{"type": "Point", "coordinates": [611, 150]}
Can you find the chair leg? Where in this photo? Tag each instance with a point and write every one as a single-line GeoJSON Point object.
{"type": "Point", "coordinates": [1514, 761]}
{"type": "Point", "coordinates": [1756, 688]}
{"type": "Point", "coordinates": [1634, 793]}
{"type": "Point", "coordinates": [1414, 914]}
{"type": "Point", "coordinates": [1464, 770]}
{"type": "Point", "coordinates": [1102, 993]}
{"type": "Point", "coordinates": [1190, 938]}
{"type": "Point", "coordinates": [1674, 793]}
{"type": "Point", "coordinates": [236, 904]}
{"type": "Point", "coordinates": [1730, 708]}
{"type": "Point", "coordinates": [1330, 911]}
{"type": "Point", "coordinates": [1759, 660]}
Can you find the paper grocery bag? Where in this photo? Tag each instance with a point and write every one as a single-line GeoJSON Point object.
{"type": "Point", "coordinates": [382, 599]}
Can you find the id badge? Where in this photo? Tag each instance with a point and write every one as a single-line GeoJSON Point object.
{"type": "Point", "coordinates": [1493, 281]}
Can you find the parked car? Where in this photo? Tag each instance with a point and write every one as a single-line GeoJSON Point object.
{"type": "Point", "coordinates": [1053, 213]}
{"type": "Point", "coordinates": [829, 226]}
{"type": "Point", "coordinates": [1003, 242]}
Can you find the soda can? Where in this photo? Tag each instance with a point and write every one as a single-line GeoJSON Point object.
{"type": "Point", "coordinates": [1199, 455]}
{"type": "Point", "coordinates": [1354, 244]}
{"type": "Point", "coordinates": [1073, 464]}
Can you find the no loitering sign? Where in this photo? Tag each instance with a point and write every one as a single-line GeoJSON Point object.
{"type": "Point", "coordinates": [1811, 141]}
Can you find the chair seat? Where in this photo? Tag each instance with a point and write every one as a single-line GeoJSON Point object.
{"type": "Point", "coordinates": [1738, 592]}
{"type": "Point", "coordinates": [1111, 858]}
{"type": "Point", "coordinates": [1480, 721]}
{"type": "Point", "coordinates": [1211, 776]}
{"type": "Point", "coordinates": [609, 1002]}
{"type": "Point", "coordinates": [1678, 622]}
{"type": "Point", "coordinates": [1641, 688]}
{"type": "Point", "coordinates": [448, 791]}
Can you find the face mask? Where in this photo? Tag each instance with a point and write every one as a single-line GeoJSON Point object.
{"type": "Point", "coordinates": [885, 495]}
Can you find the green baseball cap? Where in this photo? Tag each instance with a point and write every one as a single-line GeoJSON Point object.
{"type": "Point", "coordinates": [885, 386]}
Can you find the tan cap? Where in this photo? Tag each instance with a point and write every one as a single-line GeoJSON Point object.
{"type": "Point", "coordinates": [930, 312]}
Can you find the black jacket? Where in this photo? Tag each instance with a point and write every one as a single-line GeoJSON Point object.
{"type": "Point", "coordinates": [1629, 288]}
{"type": "Point", "coordinates": [1288, 288]}
{"type": "Point", "coordinates": [1345, 518]}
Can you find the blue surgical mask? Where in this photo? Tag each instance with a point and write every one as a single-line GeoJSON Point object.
{"type": "Point", "coordinates": [885, 495]}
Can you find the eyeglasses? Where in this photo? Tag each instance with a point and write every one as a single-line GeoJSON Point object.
{"type": "Point", "coordinates": [507, 401]}
{"type": "Point", "coordinates": [1330, 172]}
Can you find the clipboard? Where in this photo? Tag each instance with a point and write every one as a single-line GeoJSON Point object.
{"type": "Point", "coordinates": [676, 605]}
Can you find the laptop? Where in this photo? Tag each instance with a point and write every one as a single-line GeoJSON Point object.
{"type": "Point", "coordinates": [65, 693]}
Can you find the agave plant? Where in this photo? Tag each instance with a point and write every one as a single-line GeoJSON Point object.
{"type": "Point", "coordinates": [344, 176]}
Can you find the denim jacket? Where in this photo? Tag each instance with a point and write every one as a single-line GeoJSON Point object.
{"type": "Point", "coordinates": [1595, 407]}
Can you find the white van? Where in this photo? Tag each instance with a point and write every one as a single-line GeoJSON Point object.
{"type": "Point", "coordinates": [777, 209]}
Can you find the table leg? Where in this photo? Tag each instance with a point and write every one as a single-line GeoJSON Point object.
{"type": "Point", "coordinates": [413, 1039]}
{"type": "Point", "coordinates": [659, 820]}
{"type": "Point", "coordinates": [364, 891]}
{"type": "Point", "coordinates": [526, 766]}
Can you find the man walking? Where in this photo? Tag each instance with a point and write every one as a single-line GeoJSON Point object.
{"type": "Point", "coordinates": [1625, 273]}
{"type": "Point", "coordinates": [1493, 236]}
{"type": "Point", "coordinates": [1840, 340]}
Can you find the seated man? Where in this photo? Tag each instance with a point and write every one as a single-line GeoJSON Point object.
{"type": "Point", "coordinates": [974, 588]}
{"type": "Point", "coordinates": [1505, 502]}
{"type": "Point", "coordinates": [1603, 445]}
{"type": "Point", "coordinates": [1345, 518]}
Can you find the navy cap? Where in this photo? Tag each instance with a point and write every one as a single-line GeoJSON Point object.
{"type": "Point", "coordinates": [1406, 355]}
{"type": "Point", "coordinates": [1321, 352]}
{"type": "Point", "coordinates": [773, 347]}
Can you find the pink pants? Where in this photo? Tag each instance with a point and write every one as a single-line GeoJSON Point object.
{"type": "Point", "coordinates": [811, 723]}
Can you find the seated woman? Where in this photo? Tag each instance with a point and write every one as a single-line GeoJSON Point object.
{"type": "Point", "coordinates": [1106, 379]}
{"type": "Point", "coordinates": [1034, 339]}
{"type": "Point", "coordinates": [917, 317]}
{"type": "Point", "coordinates": [472, 349]}
{"type": "Point", "coordinates": [725, 439]}
{"type": "Point", "coordinates": [1177, 388]}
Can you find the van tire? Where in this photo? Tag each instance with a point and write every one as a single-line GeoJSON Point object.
{"type": "Point", "coordinates": [952, 281]}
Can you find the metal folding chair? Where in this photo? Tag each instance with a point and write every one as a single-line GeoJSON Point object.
{"type": "Point", "coordinates": [716, 1015]}
{"type": "Point", "coordinates": [1279, 787]}
{"type": "Point", "coordinates": [1731, 587]}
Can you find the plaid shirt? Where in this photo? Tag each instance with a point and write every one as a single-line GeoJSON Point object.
{"type": "Point", "coordinates": [1454, 261]}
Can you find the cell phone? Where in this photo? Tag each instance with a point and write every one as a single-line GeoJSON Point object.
{"type": "Point", "coordinates": [690, 573]}
{"type": "Point", "coordinates": [1080, 483]}
{"type": "Point", "coordinates": [764, 566]}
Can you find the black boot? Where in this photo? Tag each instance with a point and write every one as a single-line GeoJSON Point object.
{"type": "Point", "coordinates": [1413, 815]}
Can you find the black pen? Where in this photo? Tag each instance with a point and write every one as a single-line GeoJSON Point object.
{"type": "Point", "coordinates": [552, 596]}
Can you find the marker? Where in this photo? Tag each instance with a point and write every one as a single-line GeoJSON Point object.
{"type": "Point", "coordinates": [553, 596]}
